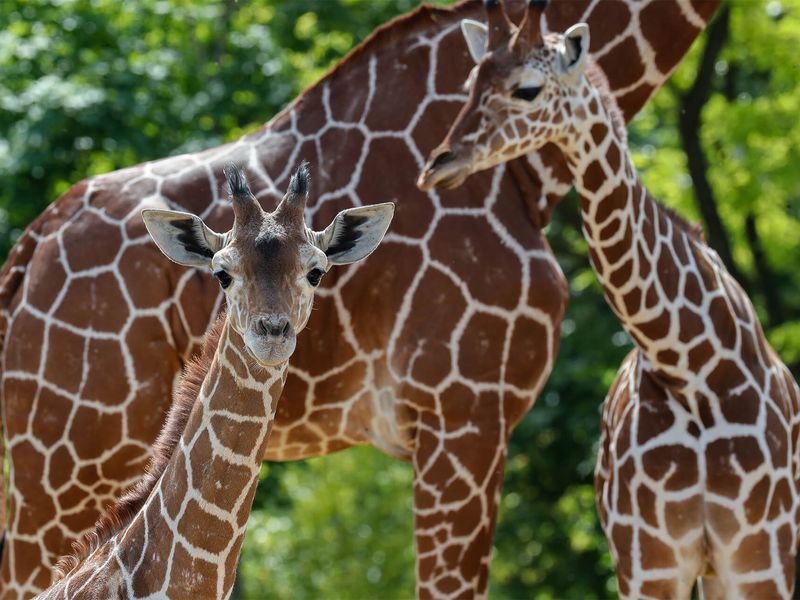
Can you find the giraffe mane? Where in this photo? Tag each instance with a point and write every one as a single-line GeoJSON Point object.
{"type": "Point", "coordinates": [594, 73]}
{"type": "Point", "coordinates": [597, 77]}
{"type": "Point", "coordinates": [388, 35]}
{"type": "Point", "coordinates": [120, 514]}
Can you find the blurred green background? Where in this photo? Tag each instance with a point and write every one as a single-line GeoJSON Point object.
{"type": "Point", "coordinates": [87, 86]}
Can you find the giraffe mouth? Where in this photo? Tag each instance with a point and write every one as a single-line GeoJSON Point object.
{"type": "Point", "coordinates": [448, 175]}
{"type": "Point", "coordinates": [270, 352]}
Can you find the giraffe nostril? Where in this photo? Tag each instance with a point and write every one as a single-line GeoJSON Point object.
{"type": "Point", "coordinates": [262, 327]}
{"type": "Point", "coordinates": [274, 327]}
{"type": "Point", "coordinates": [442, 158]}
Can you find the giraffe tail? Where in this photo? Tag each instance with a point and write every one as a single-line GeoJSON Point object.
{"type": "Point", "coordinates": [12, 276]}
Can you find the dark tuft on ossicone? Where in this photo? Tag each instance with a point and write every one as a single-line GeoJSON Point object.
{"type": "Point", "coordinates": [491, 3]}
{"type": "Point", "coordinates": [538, 4]}
{"type": "Point", "coordinates": [237, 182]}
{"type": "Point", "coordinates": [301, 180]}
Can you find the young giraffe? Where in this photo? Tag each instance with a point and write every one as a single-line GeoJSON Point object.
{"type": "Point", "coordinates": [697, 472]}
{"type": "Point", "coordinates": [87, 348]}
{"type": "Point", "coordinates": [178, 533]}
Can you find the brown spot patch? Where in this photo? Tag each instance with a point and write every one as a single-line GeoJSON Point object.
{"type": "Point", "coordinates": [481, 348]}
{"type": "Point", "coordinates": [722, 476]}
{"type": "Point", "coordinates": [756, 503]}
{"type": "Point", "coordinates": [52, 412]}
{"type": "Point", "coordinates": [191, 576]}
{"type": "Point", "coordinates": [679, 461]}
{"type": "Point", "coordinates": [45, 276]}
{"type": "Point", "coordinates": [204, 529]}
{"type": "Point", "coordinates": [340, 386]}
{"type": "Point", "coordinates": [107, 380]}
{"type": "Point", "coordinates": [94, 303]}
{"type": "Point", "coordinates": [723, 521]}
{"type": "Point", "coordinates": [391, 267]}
{"type": "Point", "coordinates": [148, 272]}
{"type": "Point", "coordinates": [753, 553]}
{"type": "Point", "coordinates": [491, 271]}
{"type": "Point", "coordinates": [593, 178]}
{"type": "Point", "coordinates": [661, 24]}
{"type": "Point", "coordinates": [422, 332]}
{"type": "Point", "coordinates": [528, 353]}
{"type": "Point", "coordinates": [646, 501]}
{"type": "Point", "coordinates": [623, 65]}
{"type": "Point", "coordinates": [90, 242]}
{"type": "Point", "coordinates": [655, 553]}
{"type": "Point", "coordinates": [690, 324]}
{"type": "Point", "coordinates": [683, 517]}
{"type": "Point", "coordinates": [414, 210]}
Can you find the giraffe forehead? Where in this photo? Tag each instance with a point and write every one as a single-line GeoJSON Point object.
{"type": "Point", "coordinates": [274, 253]}
{"type": "Point", "coordinates": [508, 69]}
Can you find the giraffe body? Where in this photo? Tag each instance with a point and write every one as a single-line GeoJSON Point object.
{"type": "Point", "coordinates": [698, 467]}
{"type": "Point", "coordinates": [178, 532]}
{"type": "Point", "coordinates": [95, 336]}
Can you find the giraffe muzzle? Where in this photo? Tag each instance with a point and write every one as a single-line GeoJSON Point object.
{"type": "Point", "coordinates": [444, 169]}
{"type": "Point", "coordinates": [271, 339]}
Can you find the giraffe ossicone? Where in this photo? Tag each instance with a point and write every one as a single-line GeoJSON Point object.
{"type": "Point", "coordinates": [697, 470]}
{"type": "Point", "coordinates": [178, 532]}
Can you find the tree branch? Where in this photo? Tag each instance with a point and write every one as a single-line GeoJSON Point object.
{"type": "Point", "coordinates": [689, 124]}
{"type": "Point", "coordinates": [766, 278]}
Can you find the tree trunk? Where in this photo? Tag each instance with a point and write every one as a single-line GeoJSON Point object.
{"type": "Point", "coordinates": [689, 124]}
{"type": "Point", "coordinates": [766, 278]}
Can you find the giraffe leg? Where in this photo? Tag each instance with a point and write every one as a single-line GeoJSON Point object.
{"type": "Point", "coordinates": [757, 563]}
{"type": "Point", "coordinates": [752, 538]}
{"type": "Point", "coordinates": [457, 480]}
{"type": "Point", "coordinates": [775, 582]}
{"type": "Point", "coordinates": [710, 588]}
{"type": "Point", "coordinates": [649, 495]}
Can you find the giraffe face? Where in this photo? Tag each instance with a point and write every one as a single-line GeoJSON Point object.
{"type": "Point", "coordinates": [270, 264]}
{"type": "Point", "coordinates": [520, 97]}
{"type": "Point", "coordinates": [269, 272]}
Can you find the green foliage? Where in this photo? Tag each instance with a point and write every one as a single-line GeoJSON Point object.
{"type": "Point", "coordinates": [347, 531]}
{"type": "Point", "coordinates": [92, 85]}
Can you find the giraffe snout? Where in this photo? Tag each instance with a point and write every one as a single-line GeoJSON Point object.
{"type": "Point", "coordinates": [445, 168]}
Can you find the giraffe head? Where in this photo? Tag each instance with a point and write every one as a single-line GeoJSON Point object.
{"type": "Point", "coordinates": [269, 264]}
{"type": "Point", "coordinates": [520, 94]}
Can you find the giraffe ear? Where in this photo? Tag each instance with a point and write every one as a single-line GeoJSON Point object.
{"type": "Point", "coordinates": [355, 233]}
{"type": "Point", "coordinates": [475, 34]}
{"type": "Point", "coordinates": [575, 51]}
{"type": "Point", "coordinates": [182, 237]}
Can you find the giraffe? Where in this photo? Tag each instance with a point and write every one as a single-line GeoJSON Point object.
{"type": "Point", "coordinates": [179, 531]}
{"type": "Point", "coordinates": [88, 349]}
{"type": "Point", "coordinates": [697, 473]}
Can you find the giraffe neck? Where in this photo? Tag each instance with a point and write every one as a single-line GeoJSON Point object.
{"type": "Point", "coordinates": [194, 522]}
{"type": "Point", "coordinates": [668, 288]}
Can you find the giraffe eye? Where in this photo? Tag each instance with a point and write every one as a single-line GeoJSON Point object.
{"type": "Point", "coordinates": [224, 279]}
{"type": "Point", "coordinates": [314, 275]}
{"type": "Point", "coordinates": [526, 93]}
